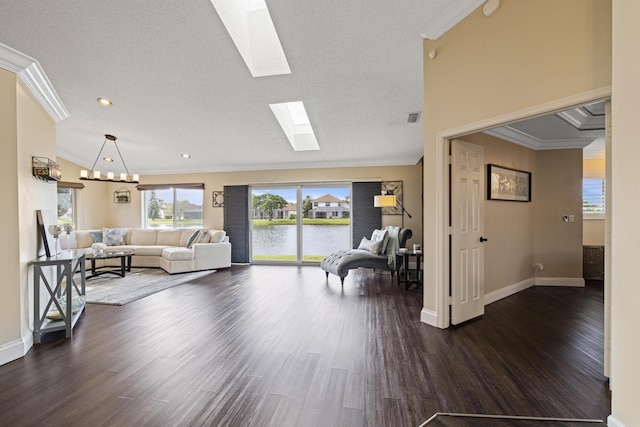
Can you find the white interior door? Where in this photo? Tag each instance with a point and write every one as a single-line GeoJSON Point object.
{"type": "Point", "coordinates": [467, 228]}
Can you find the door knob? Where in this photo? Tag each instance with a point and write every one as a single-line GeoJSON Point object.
{"type": "Point", "coordinates": [482, 240]}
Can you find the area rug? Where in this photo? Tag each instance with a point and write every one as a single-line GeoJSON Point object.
{"type": "Point", "coordinates": [112, 290]}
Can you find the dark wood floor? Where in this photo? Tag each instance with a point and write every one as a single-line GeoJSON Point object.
{"type": "Point", "coordinates": [281, 346]}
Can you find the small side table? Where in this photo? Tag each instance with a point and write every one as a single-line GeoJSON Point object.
{"type": "Point", "coordinates": [66, 264]}
{"type": "Point", "coordinates": [407, 275]}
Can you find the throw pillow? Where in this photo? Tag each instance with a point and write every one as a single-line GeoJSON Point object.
{"type": "Point", "coordinates": [96, 236]}
{"type": "Point", "coordinates": [113, 236]}
{"type": "Point", "coordinates": [193, 239]}
{"type": "Point", "coordinates": [217, 236]}
{"type": "Point", "coordinates": [381, 236]}
{"type": "Point", "coordinates": [204, 237]}
{"type": "Point", "coordinates": [368, 245]}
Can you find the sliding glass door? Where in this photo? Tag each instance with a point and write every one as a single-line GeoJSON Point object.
{"type": "Point", "coordinates": [302, 223]}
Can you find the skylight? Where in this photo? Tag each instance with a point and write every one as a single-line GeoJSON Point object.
{"type": "Point", "coordinates": [296, 125]}
{"type": "Point", "coordinates": [250, 26]}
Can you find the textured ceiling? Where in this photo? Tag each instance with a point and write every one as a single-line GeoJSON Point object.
{"type": "Point", "coordinates": [179, 85]}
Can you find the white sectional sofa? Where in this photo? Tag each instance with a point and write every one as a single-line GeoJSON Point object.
{"type": "Point", "coordinates": [166, 249]}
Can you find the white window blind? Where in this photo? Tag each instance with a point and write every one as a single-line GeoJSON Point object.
{"type": "Point", "coordinates": [593, 196]}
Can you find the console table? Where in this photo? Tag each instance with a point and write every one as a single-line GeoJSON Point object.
{"type": "Point", "coordinates": [61, 290]}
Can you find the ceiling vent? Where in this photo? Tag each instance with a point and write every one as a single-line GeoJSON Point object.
{"type": "Point", "coordinates": [413, 117]}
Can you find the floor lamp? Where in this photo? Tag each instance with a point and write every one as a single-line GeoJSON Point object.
{"type": "Point", "coordinates": [385, 200]}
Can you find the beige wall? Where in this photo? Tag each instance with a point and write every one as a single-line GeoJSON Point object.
{"type": "Point", "coordinates": [593, 229]}
{"type": "Point", "coordinates": [26, 131]}
{"type": "Point", "coordinates": [97, 209]}
{"type": "Point", "coordinates": [10, 285]}
{"type": "Point", "coordinates": [625, 332]}
{"type": "Point", "coordinates": [521, 57]}
{"type": "Point", "coordinates": [93, 204]}
{"type": "Point", "coordinates": [557, 191]}
{"type": "Point", "coordinates": [509, 226]}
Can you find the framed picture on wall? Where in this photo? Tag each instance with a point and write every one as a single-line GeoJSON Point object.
{"type": "Point", "coordinates": [218, 199]}
{"type": "Point", "coordinates": [393, 188]}
{"type": "Point", "coordinates": [508, 184]}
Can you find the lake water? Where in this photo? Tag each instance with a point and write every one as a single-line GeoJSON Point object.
{"type": "Point", "coordinates": [318, 240]}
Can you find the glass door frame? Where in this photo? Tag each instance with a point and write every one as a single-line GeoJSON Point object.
{"type": "Point", "coordinates": [298, 187]}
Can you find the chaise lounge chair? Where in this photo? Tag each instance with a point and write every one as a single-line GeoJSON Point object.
{"type": "Point", "coordinates": [368, 255]}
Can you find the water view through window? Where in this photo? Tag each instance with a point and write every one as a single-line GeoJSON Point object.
{"type": "Point", "coordinates": [299, 223]}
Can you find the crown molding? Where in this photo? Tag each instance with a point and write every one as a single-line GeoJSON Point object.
{"type": "Point", "coordinates": [582, 119]}
{"type": "Point", "coordinates": [517, 137]}
{"type": "Point", "coordinates": [448, 18]}
{"type": "Point", "coordinates": [34, 77]}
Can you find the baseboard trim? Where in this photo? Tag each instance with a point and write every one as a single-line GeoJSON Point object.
{"type": "Point", "coordinates": [11, 351]}
{"type": "Point", "coordinates": [429, 317]}
{"type": "Point", "coordinates": [612, 422]}
{"type": "Point", "coordinates": [576, 282]}
{"type": "Point", "coordinates": [494, 296]}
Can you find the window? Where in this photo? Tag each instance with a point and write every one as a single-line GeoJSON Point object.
{"type": "Point", "coordinates": [593, 197]}
{"type": "Point", "coordinates": [66, 198]}
{"type": "Point", "coordinates": [173, 207]}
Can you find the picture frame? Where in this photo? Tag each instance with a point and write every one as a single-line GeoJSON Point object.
{"type": "Point", "coordinates": [508, 184]}
{"type": "Point", "coordinates": [392, 188]}
{"type": "Point", "coordinates": [218, 199]}
{"type": "Point", "coordinates": [43, 233]}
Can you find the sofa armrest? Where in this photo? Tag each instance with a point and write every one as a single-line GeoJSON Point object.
{"type": "Point", "coordinates": [212, 255]}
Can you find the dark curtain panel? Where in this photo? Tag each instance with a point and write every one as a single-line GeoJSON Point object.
{"type": "Point", "coordinates": [236, 221]}
{"type": "Point", "coordinates": [365, 217]}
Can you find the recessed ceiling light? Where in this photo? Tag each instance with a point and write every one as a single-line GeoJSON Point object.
{"type": "Point", "coordinates": [250, 26]}
{"type": "Point", "coordinates": [185, 155]}
{"type": "Point", "coordinates": [105, 102]}
{"type": "Point", "coordinates": [107, 159]}
{"type": "Point", "coordinates": [295, 124]}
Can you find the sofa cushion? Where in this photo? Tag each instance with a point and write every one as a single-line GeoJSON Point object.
{"type": "Point", "coordinates": [216, 236]}
{"type": "Point", "coordinates": [169, 237]}
{"type": "Point", "coordinates": [177, 254]}
{"type": "Point", "coordinates": [114, 236]}
{"type": "Point", "coordinates": [186, 234]}
{"type": "Point", "coordinates": [143, 237]}
{"type": "Point", "coordinates": [84, 239]}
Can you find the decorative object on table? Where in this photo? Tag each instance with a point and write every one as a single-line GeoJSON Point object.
{"type": "Point", "coordinates": [45, 169]}
{"type": "Point", "coordinates": [417, 247]}
{"type": "Point", "coordinates": [43, 233]}
{"type": "Point", "coordinates": [392, 188]}
{"type": "Point", "coordinates": [122, 195]}
{"type": "Point", "coordinates": [95, 175]}
{"type": "Point", "coordinates": [218, 199]}
{"type": "Point", "coordinates": [98, 249]}
{"type": "Point", "coordinates": [67, 227]}
{"type": "Point", "coordinates": [385, 200]}
{"type": "Point", "coordinates": [508, 184]}
{"type": "Point", "coordinates": [55, 230]}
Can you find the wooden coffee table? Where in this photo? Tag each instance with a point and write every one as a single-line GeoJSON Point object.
{"type": "Point", "coordinates": [125, 263]}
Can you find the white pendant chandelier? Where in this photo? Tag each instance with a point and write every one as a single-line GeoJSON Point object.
{"type": "Point", "coordinates": [96, 175]}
